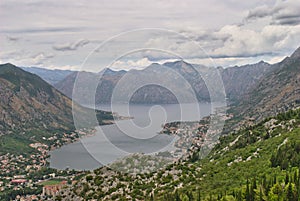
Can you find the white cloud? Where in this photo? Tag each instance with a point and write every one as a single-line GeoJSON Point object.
{"type": "Point", "coordinates": [131, 64]}
{"type": "Point", "coordinates": [71, 46]}
{"type": "Point", "coordinates": [52, 33]}
{"type": "Point", "coordinates": [65, 67]}
{"type": "Point", "coordinates": [284, 12]}
{"type": "Point", "coordinates": [40, 58]}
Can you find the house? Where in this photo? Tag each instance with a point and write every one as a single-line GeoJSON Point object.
{"type": "Point", "coordinates": [18, 181]}
{"type": "Point", "coordinates": [53, 190]}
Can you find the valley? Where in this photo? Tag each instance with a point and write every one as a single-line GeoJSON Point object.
{"type": "Point", "coordinates": [260, 142]}
{"type": "Point", "coordinates": [132, 100]}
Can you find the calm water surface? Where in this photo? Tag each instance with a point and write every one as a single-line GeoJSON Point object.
{"type": "Point", "coordinates": [140, 135]}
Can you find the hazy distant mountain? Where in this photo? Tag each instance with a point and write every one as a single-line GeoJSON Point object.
{"type": "Point", "coordinates": [50, 76]}
{"type": "Point", "coordinates": [165, 83]}
{"type": "Point", "coordinates": [277, 91]}
{"type": "Point", "coordinates": [29, 103]}
{"type": "Point", "coordinates": [104, 90]}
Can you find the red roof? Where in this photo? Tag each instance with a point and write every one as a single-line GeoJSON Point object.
{"type": "Point", "coordinates": [18, 181]}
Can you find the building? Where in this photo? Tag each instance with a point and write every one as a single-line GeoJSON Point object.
{"type": "Point", "coordinates": [18, 181]}
{"type": "Point", "coordinates": [53, 190]}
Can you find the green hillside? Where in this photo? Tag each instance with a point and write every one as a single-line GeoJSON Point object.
{"type": "Point", "coordinates": [257, 163]}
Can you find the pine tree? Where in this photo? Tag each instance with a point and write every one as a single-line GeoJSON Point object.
{"type": "Point", "coordinates": [254, 183]}
{"type": "Point", "coordinates": [274, 179]}
{"type": "Point", "coordinates": [239, 196]}
{"type": "Point", "coordinates": [199, 195]}
{"type": "Point", "coordinates": [177, 197]}
{"type": "Point", "coordinates": [260, 194]}
{"type": "Point", "coordinates": [290, 194]}
{"type": "Point", "coordinates": [210, 197]}
{"type": "Point", "coordinates": [252, 192]}
{"type": "Point", "coordinates": [247, 195]}
{"type": "Point", "coordinates": [287, 178]}
{"type": "Point", "coordinates": [190, 196]}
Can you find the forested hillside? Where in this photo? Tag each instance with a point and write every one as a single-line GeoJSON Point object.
{"type": "Point", "coordinates": [260, 162]}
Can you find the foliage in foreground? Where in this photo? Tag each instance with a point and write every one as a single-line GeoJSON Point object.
{"type": "Point", "coordinates": [259, 162]}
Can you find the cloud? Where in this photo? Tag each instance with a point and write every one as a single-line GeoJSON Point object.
{"type": "Point", "coordinates": [282, 13]}
{"type": "Point", "coordinates": [287, 19]}
{"type": "Point", "coordinates": [241, 30]}
{"type": "Point", "coordinates": [131, 64]}
{"type": "Point", "coordinates": [261, 12]}
{"type": "Point", "coordinates": [12, 38]}
{"type": "Point", "coordinates": [271, 40]}
{"type": "Point", "coordinates": [40, 58]}
{"type": "Point", "coordinates": [41, 30]}
{"type": "Point", "coordinates": [64, 67]}
{"type": "Point", "coordinates": [71, 46]}
{"type": "Point", "coordinates": [24, 58]}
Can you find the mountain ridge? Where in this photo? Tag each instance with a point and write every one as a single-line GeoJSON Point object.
{"type": "Point", "coordinates": [277, 91]}
{"type": "Point", "coordinates": [28, 102]}
{"type": "Point", "coordinates": [235, 83]}
{"type": "Point", "coordinates": [49, 75]}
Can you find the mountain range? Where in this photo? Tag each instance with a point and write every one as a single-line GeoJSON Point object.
{"type": "Point", "coordinates": [165, 83]}
{"type": "Point", "coordinates": [50, 76]}
{"type": "Point", "coordinates": [252, 90]}
{"type": "Point", "coordinates": [260, 161]}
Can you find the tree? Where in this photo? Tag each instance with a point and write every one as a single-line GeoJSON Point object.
{"type": "Point", "coordinates": [290, 193]}
{"type": "Point", "coordinates": [190, 196]}
{"type": "Point", "coordinates": [247, 194]}
{"type": "Point", "coordinates": [199, 195]}
{"type": "Point", "coordinates": [239, 196]}
{"type": "Point", "coordinates": [276, 192]}
{"type": "Point", "coordinates": [261, 194]}
{"type": "Point", "coordinates": [177, 197]}
{"type": "Point", "coordinates": [287, 178]}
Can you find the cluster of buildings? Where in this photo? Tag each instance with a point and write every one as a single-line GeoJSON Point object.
{"type": "Point", "coordinates": [195, 135]}
{"type": "Point", "coordinates": [54, 189]}
{"type": "Point", "coordinates": [11, 164]}
{"type": "Point", "coordinates": [15, 169]}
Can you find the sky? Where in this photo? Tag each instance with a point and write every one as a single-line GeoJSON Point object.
{"type": "Point", "coordinates": [126, 34]}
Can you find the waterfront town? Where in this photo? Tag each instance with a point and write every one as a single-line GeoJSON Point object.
{"type": "Point", "coordinates": [195, 136]}
{"type": "Point", "coordinates": [29, 178]}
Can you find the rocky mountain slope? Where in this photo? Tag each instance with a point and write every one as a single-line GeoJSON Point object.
{"type": "Point", "coordinates": [157, 82]}
{"type": "Point", "coordinates": [50, 76]}
{"type": "Point", "coordinates": [29, 103]}
{"type": "Point", "coordinates": [239, 79]}
{"type": "Point", "coordinates": [277, 91]}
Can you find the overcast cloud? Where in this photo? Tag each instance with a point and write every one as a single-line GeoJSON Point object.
{"type": "Point", "coordinates": [61, 34]}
